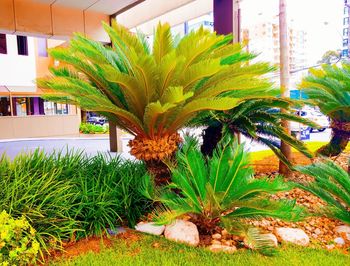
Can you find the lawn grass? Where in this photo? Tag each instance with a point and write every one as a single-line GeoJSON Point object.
{"type": "Point", "coordinates": [312, 146]}
{"type": "Point", "coordinates": [151, 250]}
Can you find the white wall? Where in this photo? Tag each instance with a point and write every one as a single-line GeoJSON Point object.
{"type": "Point", "coordinates": [17, 70]}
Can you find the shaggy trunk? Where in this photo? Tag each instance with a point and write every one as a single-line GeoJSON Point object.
{"type": "Point", "coordinates": [154, 152]}
{"type": "Point", "coordinates": [339, 140]}
{"type": "Point", "coordinates": [211, 137]}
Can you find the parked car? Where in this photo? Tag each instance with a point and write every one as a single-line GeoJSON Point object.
{"type": "Point", "coordinates": [316, 117]}
{"type": "Point", "coordinates": [97, 120]}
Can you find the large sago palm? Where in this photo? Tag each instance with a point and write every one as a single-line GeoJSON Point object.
{"type": "Point", "coordinates": [329, 89]}
{"type": "Point", "coordinates": [153, 92]}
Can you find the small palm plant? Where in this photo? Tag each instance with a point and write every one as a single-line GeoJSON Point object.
{"type": "Point", "coordinates": [153, 93]}
{"type": "Point", "coordinates": [257, 119]}
{"type": "Point", "coordinates": [329, 89]}
{"type": "Point", "coordinates": [332, 184]}
{"type": "Point", "coordinates": [222, 190]}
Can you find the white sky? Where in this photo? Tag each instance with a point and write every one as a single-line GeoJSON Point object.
{"type": "Point", "coordinates": [308, 15]}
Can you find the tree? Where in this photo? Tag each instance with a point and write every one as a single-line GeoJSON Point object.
{"type": "Point", "coordinates": [330, 57]}
{"type": "Point", "coordinates": [152, 94]}
{"type": "Point", "coordinates": [328, 88]}
{"type": "Point", "coordinates": [257, 119]}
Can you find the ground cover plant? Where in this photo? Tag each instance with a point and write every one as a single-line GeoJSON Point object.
{"type": "Point", "coordinates": [153, 93]}
{"type": "Point", "coordinates": [328, 88]}
{"type": "Point", "coordinates": [68, 195]}
{"type": "Point", "coordinates": [87, 128]}
{"type": "Point", "coordinates": [332, 184]}
{"type": "Point", "coordinates": [222, 191]}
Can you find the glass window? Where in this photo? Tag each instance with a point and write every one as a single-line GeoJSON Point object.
{"type": "Point", "coordinates": [51, 108]}
{"type": "Point", "coordinates": [61, 109]}
{"type": "Point", "coordinates": [20, 106]}
{"type": "Point", "coordinates": [22, 45]}
{"type": "Point", "coordinates": [345, 42]}
{"type": "Point", "coordinates": [42, 47]}
{"type": "Point", "coordinates": [5, 106]}
{"type": "Point", "coordinates": [345, 32]}
{"type": "Point", "coordinates": [345, 21]}
{"type": "Point", "coordinates": [345, 53]}
{"type": "Point", "coordinates": [3, 46]}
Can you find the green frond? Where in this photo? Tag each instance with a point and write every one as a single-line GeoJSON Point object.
{"type": "Point", "coordinates": [163, 42]}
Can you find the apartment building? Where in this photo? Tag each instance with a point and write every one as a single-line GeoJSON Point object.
{"type": "Point", "coordinates": [23, 112]}
{"type": "Point", "coordinates": [345, 49]}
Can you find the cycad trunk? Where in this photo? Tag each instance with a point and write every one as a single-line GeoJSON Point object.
{"type": "Point", "coordinates": [339, 140]}
{"type": "Point", "coordinates": [211, 137]}
{"type": "Point", "coordinates": [154, 152]}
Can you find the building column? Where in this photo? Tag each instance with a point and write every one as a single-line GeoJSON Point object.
{"type": "Point", "coordinates": [227, 18]}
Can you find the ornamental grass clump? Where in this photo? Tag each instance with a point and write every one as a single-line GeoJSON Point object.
{"type": "Point", "coordinates": [221, 191]}
{"type": "Point", "coordinates": [152, 93]}
{"type": "Point", "coordinates": [18, 243]}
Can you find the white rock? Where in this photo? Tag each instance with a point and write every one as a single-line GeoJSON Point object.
{"type": "Point", "coordinates": [339, 241]}
{"type": "Point", "coordinates": [150, 228]}
{"type": "Point", "coordinates": [292, 235]}
{"type": "Point", "coordinates": [216, 236]}
{"type": "Point", "coordinates": [343, 229]}
{"type": "Point", "coordinates": [222, 248]}
{"type": "Point", "coordinates": [330, 247]}
{"type": "Point", "coordinates": [182, 231]}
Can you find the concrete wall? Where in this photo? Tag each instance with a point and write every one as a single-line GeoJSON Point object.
{"type": "Point", "coordinates": [39, 126]}
{"type": "Point", "coordinates": [17, 70]}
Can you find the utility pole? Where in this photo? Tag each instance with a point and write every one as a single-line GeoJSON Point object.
{"type": "Point", "coordinates": [284, 79]}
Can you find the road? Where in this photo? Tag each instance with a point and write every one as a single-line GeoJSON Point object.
{"type": "Point", "coordinates": [94, 145]}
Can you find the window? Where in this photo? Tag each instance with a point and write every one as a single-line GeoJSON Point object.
{"type": "Point", "coordinates": [20, 106]}
{"type": "Point", "coordinates": [345, 42]}
{"type": "Point", "coordinates": [22, 45]}
{"type": "Point", "coordinates": [345, 21]}
{"type": "Point", "coordinates": [345, 32]}
{"type": "Point", "coordinates": [5, 107]}
{"type": "Point", "coordinates": [3, 46]}
{"type": "Point", "coordinates": [51, 108]}
{"type": "Point", "coordinates": [345, 53]}
{"type": "Point", "coordinates": [345, 10]}
{"type": "Point", "coordinates": [42, 47]}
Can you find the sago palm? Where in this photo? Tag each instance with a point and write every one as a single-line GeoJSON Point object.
{"type": "Point", "coordinates": [151, 93]}
{"type": "Point", "coordinates": [332, 184]}
{"type": "Point", "coordinates": [329, 89]}
{"type": "Point", "coordinates": [257, 119]}
{"type": "Point", "coordinates": [221, 190]}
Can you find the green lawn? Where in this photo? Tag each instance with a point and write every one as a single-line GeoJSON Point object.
{"type": "Point", "coordinates": [143, 253]}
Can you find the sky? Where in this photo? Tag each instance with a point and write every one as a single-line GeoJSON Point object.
{"type": "Point", "coordinates": [320, 19]}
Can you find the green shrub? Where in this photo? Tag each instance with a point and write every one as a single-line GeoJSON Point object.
{"type": "Point", "coordinates": [68, 193]}
{"type": "Point", "coordinates": [332, 184]}
{"type": "Point", "coordinates": [221, 190]}
{"type": "Point", "coordinates": [87, 128]}
{"type": "Point", "coordinates": [18, 244]}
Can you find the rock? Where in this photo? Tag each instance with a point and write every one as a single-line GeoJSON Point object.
{"type": "Point", "coordinates": [339, 241]}
{"type": "Point", "coordinates": [182, 231]}
{"type": "Point", "coordinates": [216, 242]}
{"type": "Point", "coordinates": [116, 231]}
{"type": "Point", "coordinates": [222, 248]}
{"type": "Point", "coordinates": [292, 235]}
{"type": "Point", "coordinates": [150, 228]}
{"type": "Point", "coordinates": [224, 232]}
{"type": "Point", "coordinates": [330, 247]}
{"type": "Point", "coordinates": [343, 229]}
{"type": "Point", "coordinates": [216, 236]}
{"type": "Point", "coordinates": [317, 231]}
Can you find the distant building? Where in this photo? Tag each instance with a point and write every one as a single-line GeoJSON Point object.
{"type": "Point", "coordinates": [345, 50]}
{"type": "Point", "coordinates": [23, 113]}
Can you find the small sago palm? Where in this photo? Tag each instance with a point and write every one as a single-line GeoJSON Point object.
{"type": "Point", "coordinates": [329, 89]}
{"type": "Point", "coordinates": [151, 93]}
{"type": "Point", "coordinates": [257, 119]}
{"type": "Point", "coordinates": [332, 184]}
{"type": "Point", "coordinates": [221, 190]}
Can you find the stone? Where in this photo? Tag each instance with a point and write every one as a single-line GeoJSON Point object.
{"type": "Point", "coordinates": [222, 248]}
{"type": "Point", "coordinates": [318, 231]}
{"type": "Point", "coordinates": [216, 236]}
{"type": "Point", "coordinates": [343, 229]}
{"type": "Point", "coordinates": [116, 231]}
{"type": "Point", "coordinates": [330, 247]}
{"type": "Point", "coordinates": [292, 235]}
{"type": "Point", "coordinates": [216, 242]}
{"type": "Point", "coordinates": [182, 231]}
{"type": "Point", "coordinates": [339, 241]}
{"type": "Point", "coordinates": [150, 228]}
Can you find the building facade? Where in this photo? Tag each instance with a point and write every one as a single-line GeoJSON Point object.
{"type": "Point", "coordinates": [23, 112]}
{"type": "Point", "coordinates": [345, 49]}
